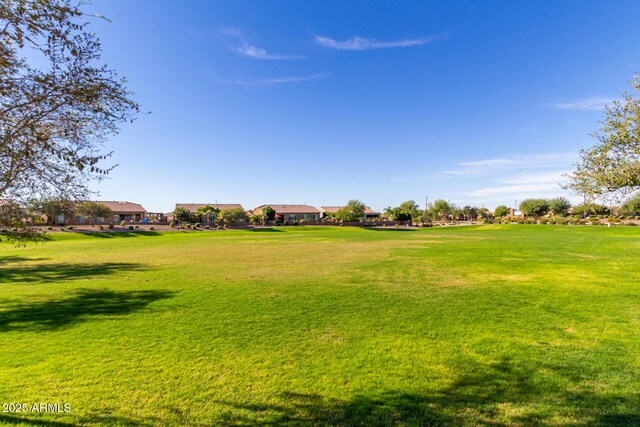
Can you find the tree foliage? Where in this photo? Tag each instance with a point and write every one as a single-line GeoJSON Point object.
{"type": "Point", "coordinates": [631, 206]}
{"type": "Point", "coordinates": [440, 209]}
{"type": "Point", "coordinates": [559, 205]}
{"type": "Point", "coordinates": [268, 214]}
{"type": "Point", "coordinates": [611, 167]}
{"type": "Point", "coordinates": [534, 207]}
{"type": "Point", "coordinates": [501, 211]}
{"type": "Point", "coordinates": [203, 213]}
{"type": "Point", "coordinates": [353, 211]}
{"type": "Point", "coordinates": [94, 210]}
{"type": "Point", "coordinates": [54, 116]}
{"type": "Point", "coordinates": [181, 214]}
{"type": "Point", "coordinates": [232, 216]}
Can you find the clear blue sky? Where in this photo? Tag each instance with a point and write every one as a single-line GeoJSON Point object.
{"type": "Point", "coordinates": [320, 102]}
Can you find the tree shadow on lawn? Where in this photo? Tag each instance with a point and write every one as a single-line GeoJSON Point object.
{"type": "Point", "coordinates": [264, 230]}
{"type": "Point", "coordinates": [113, 234]}
{"type": "Point", "coordinates": [56, 272]}
{"type": "Point", "coordinates": [81, 307]}
{"type": "Point", "coordinates": [92, 420]}
{"type": "Point", "coordinates": [389, 229]}
{"type": "Point", "coordinates": [500, 394]}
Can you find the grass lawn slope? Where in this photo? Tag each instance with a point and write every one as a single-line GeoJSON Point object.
{"type": "Point", "coordinates": [486, 325]}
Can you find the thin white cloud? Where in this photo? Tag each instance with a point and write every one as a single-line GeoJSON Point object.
{"type": "Point", "coordinates": [272, 81]}
{"type": "Point", "coordinates": [254, 52]}
{"type": "Point", "coordinates": [237, 44]}
{"type": "Point", "coordinates": [491, 166]}
{"type": "Point", "coordinates": [361, 43]}
{"type": "Point", "coordinates": [587, 104]}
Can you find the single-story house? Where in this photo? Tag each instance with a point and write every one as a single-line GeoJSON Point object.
{"type": "Point", "coordinates": [124, 211]}
{"type": "Point", "coordinates": [288, 213]}
{"type": "Point", "coordinates": [368, 212]}
{"type": "Point", "coordinates": [193, 207]}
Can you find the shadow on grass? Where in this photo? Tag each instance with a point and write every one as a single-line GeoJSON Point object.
{"type": "Point", "coordinates": [21, 420]}
{"type": "Point", "coordinates": [498, 395]}
{"type": "Point", "coordinates": [389, 229]}
{"type": "Point", "coordinates": [264, 230]}
{"type": "Point", "coordinates": [80, 307]}
{"type": "Point", "coordinates": [113, 234]}
{"type": "Point", "coordinates": [46, 272]}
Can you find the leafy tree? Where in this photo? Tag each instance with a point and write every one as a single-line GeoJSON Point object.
{"type": "Point", "coordinates": [231, 216]}
{"type": "Point", "coordinates": [591, 209]}
{"type": "Point", "coordinates": [53, 208]}
{"type": "Point", "coordinates": [94, 210]}
{"type": "Point", "coordinates": [440, 209]}
{"type": "Point", "coordinates": [470, 212]}
{"type": "Point", "coordinates": [534, 207]}
{"type": "Point", "coordinates": [559, 205]}
{"type": "Point", "coordinates": [484, 213]}
{"type": "Point", "coordinates": [631, 206]}
{"type": "Point", "coordinates": [203, 213]}
{"type": "Point", "coordinates": [181, 214]}
{"type": "Point", "coordinates": [268, 214]}
{"type": "Point", "coordinates": [611, 166]}
{"type": "Point", "coordinates": [55, 114]}
{"type": "Point", "coordinates": [13, 216]}
{"type": "Point", "coordinates": [501, 211]}
{"type": "Point", "coordinates": [354, 211]}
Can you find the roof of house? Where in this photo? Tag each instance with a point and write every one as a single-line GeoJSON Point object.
{"type": "Point", "coordinates": [192, 207]}
{"type": "Point", "coordinates": [123, 207]}
{"type": "Point", "coordinates": [335, 209]}
{"type": "Point", "coordinates": [291, 209]}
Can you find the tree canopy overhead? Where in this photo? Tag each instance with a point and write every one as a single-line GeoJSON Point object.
{"type": "Point", "coordinates": [54, 118]}
{"type": "Point", "coordinates": [611, 167]}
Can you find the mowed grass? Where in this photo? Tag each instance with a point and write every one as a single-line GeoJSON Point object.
{"type": "Point", "coordinates": [486, 325]}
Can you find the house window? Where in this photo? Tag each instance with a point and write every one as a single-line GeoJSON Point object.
{"type": "Point", "coordinates": [292, 217]}
{"type": "Point", "coordinates": [315, 217]}
{"type": "Point", "coordinates": [304, 216]}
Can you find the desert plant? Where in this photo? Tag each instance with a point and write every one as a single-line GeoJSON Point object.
{"type": "Point", "coordinates": [122, 223]}
{"type": "Point", "coordinates": [151, 228]}
{"type": "Point", "coordinates": [131, 227]}
{"type": "Point", "coordinates": [101, 227]}
{"type": "Point", "coordinates": [70, 227]}
{"type": "Point", "coordinates": [49, 228]}
{"type": "Point", "coordinates": [110, 226]}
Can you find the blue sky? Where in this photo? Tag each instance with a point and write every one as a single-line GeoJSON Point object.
{"type": "Point", "coordinates": [479, 103]}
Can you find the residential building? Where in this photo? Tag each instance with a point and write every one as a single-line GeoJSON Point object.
{"type": "Point", "coordinates": [291, 213]}
{"type": "Point", "coordinates": [368, 212]}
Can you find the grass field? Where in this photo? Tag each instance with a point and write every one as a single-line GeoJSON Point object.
{"type": "Point", "coordinates": [489, 325]}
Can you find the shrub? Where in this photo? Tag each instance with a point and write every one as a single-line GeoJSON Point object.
{"type": "Point", "coordinates": [520, 221]}
{"type": "Point", "coordinates": [101, 227]}
{"type": "Point", "coordinates": [110, 226]}
{"type": "Point", "coordinates": [561, 221]}
{"type": "Point", "coordinates": [70, 227]}
{"type": "Point", "coordinates": [543, 221]}
{"type": "Point", "coordinates": [631, 224]}
{"type": "Point", "coordinates": [207, 226]}
{"type": "Point", "coordinates": [582, 221]}
{"type": "Point", "coordinates": [552, 221]}
{"type": "Point", "coordinates": [137, 226]}
{"type": "Point", "coordinates": [61, 228]}
{"type": "Point", "coordinates": [131, 227]}
{"type": "Point", "coordinates": [122, 224]}
{"type": "Point", "coordinates": [49, 228]}
{"type": "Point", "coordinates": [486, 221]}
{"type": "Point", "coordinates": [595, 222]}
{"type": "Point", "coordinates": [151, 228]}
{"type": "Point", "coordinates": [219, 227]}
{"type": "Point", "coordinates": [171, 224]}
{"type": "Point", "coordinates": [197, 225]}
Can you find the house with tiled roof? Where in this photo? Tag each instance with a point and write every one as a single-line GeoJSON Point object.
{"type": "Point", "coordinates": [291, 213]}
{"type": "Point", "coordinates": [332, 210]}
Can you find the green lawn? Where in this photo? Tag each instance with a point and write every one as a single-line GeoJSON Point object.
{"type": "Point", "coordinates": [490, 325]}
